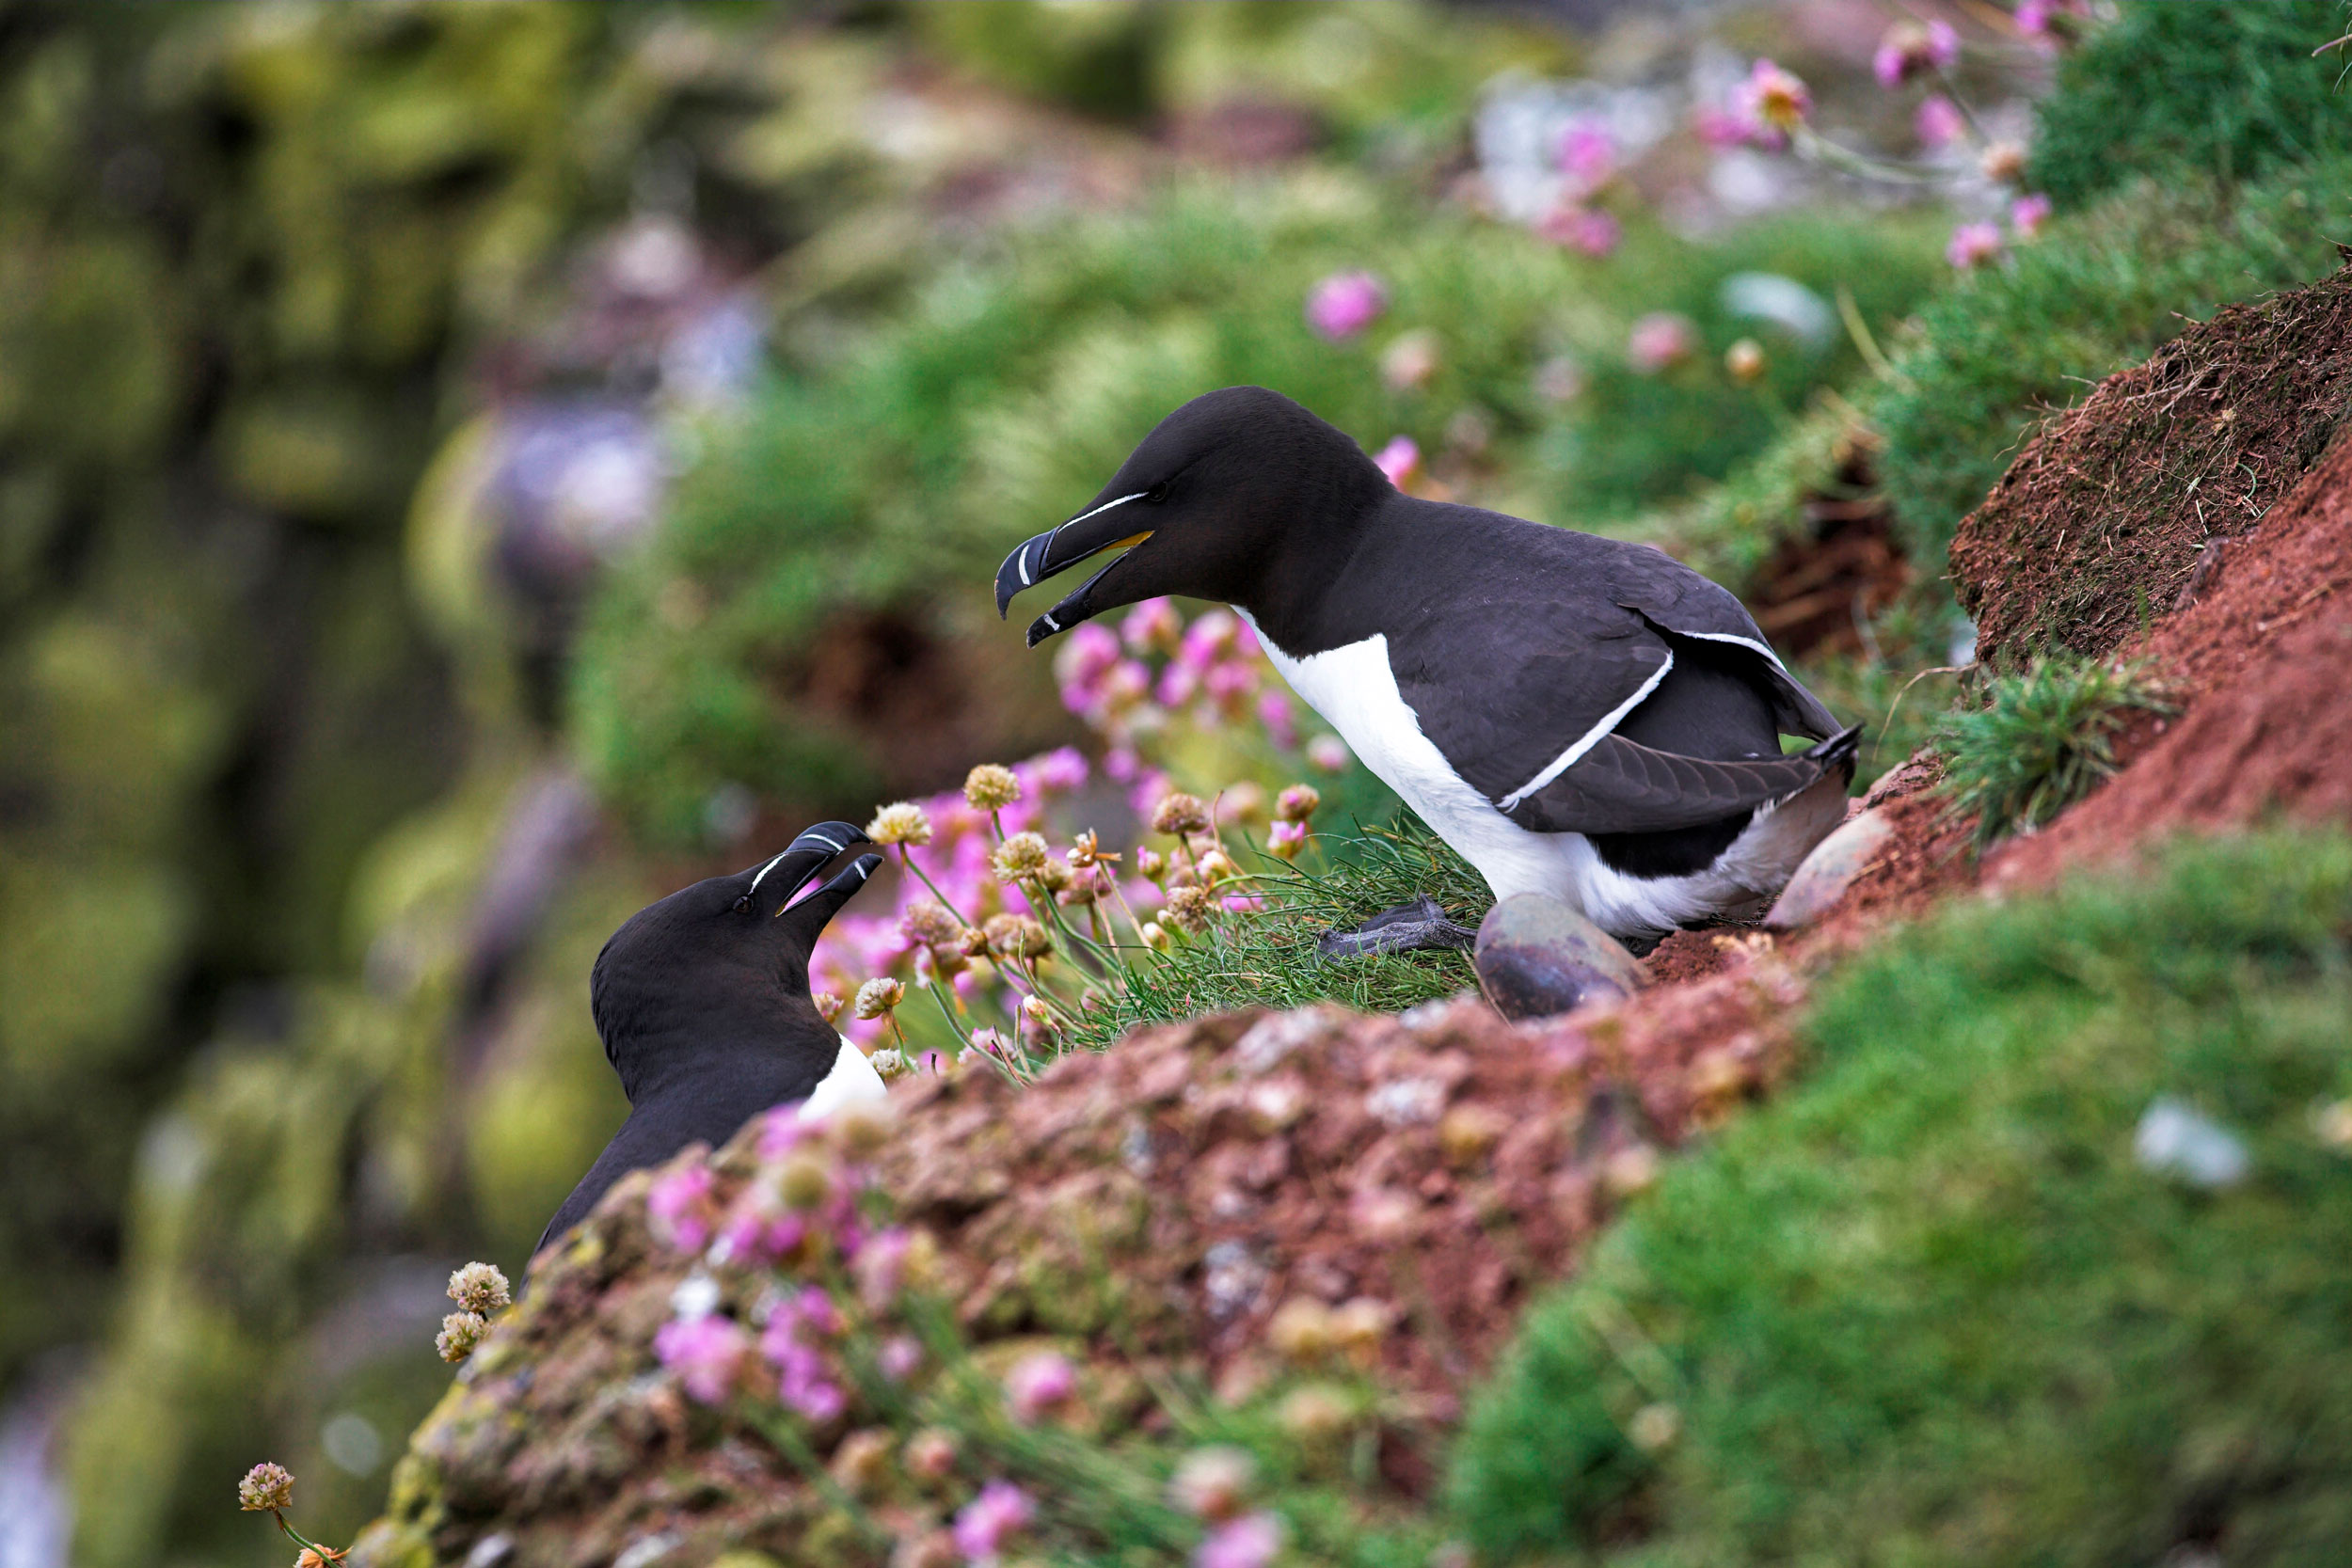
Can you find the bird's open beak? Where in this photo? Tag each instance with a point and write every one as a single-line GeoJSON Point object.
{"type": "Point", "coordinates": [775, 883]}
{"type": "Point", "coordinates": [1106, 527]}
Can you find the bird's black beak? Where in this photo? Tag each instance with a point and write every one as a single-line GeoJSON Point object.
{"type": "Point", "coordinates": [1105, 526]}
{"type": "Point", "coordinates": [775, 884]}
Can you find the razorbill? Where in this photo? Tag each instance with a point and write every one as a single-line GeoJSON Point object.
{"type": "Point", "coordinates": [1577, 716]}
{"type": "Point", "coordinates": [702, 1002]}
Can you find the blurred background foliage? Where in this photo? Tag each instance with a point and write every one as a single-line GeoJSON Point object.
{"type": "Point", "coordinates": [471, 468]}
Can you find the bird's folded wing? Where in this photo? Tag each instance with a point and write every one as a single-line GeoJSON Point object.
{"type": "Point", "coordinates": [1621, 787]}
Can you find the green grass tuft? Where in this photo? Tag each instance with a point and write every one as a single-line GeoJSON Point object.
{"type": "Point", "coordinates": [2044, 737]}
{"type": "Point", "coordinates": [1931, 1309]}
{"type": "Point", "coordinates": [1268, 958]}
{"type": "Point", "coordinates": [2231, 90]}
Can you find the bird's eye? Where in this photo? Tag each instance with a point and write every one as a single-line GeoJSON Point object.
{"type": "Point", "coordinates": [1157, 494]}
{"type": "Point", "coordinates": [743, 903]}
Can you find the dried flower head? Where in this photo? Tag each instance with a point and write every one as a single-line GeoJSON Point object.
{"type": "Point", "coordinates": [480, 1288]}
{"type": "Point", "coordinates": [900, 822]}
{"type": "Point", "coordinates": [1179, 813]}
{"type": "Point", "coordinates": [1211, 1483]}
{"type": "Point", "coordinates": [1217, 867]}
{"type": "Point", "coordinates": [1744, 362]}
{"type": "Point", "coordinates": [1155, 937]}
{"type": "Point", "coordinates": [1086, 850]}
{"type": "Point", "coordinates": [931, 1454]}
{"type": "Point", "coordinates": [265, 1489]}
{"type": "Point", "coordinates": [461, 1331]}
{"type": "Point", "coordinates": [929, 922]}
{"type": "Point", "coordinates": [1034, 1010]}
{"type": "Point", "coordinates": [1315, 1412]}
{"type": "Point", "coordinates": [879, 996]}
{"type": "Point", "coordinates": [1358, 1328]}
{"type": "Point", "coordinates": [889, 1063]}
{"type": "Point", "coordinates": [1188, 908]}
{"type": "Point", "coordinates": [1054, 875]}
{"type": "Point", "coordinates": [804, 1182]}
{"type": "Point", "coordinates": [319, 1557]}
{"type": "Point", "coordinates": [1298, 803]}
{"type": "Point", "coordinates": [2003, 162]}
{"type": "Point", "coordinates": [1018, 856]}
{"type": "Point", "coordinates": [1300, 1329]}
{"type": "Point", "coordinates": [861, 1128]}
{"type": "Point", "coordinates": [991, 787]}
{"type": "Point", "coordinates": [1017, 936]}
{"type": "Point", "coordinates": [828, 1005]}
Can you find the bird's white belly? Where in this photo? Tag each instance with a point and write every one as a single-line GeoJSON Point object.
{"type": "Point", "coordinates": [851, 1077]}
{"type": "Point", "coordinates": [1356, 692]}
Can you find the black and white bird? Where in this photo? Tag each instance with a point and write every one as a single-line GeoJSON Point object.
{"type": "Point", "coordinates": [1577, 716]}
{"type": "Point", "coordinates": [703, 1004]}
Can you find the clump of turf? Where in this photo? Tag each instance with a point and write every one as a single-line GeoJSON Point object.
{"type": "Point", "coordinates": [2232, 90]}
{"type": "Point", "coordinates": [2040, 740]}
{"type": "Point", "coordinates": [1268, 958]}
{"type": "Point", "coordinates": [1933, 1309]}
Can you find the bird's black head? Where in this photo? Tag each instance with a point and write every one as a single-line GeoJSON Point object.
{"type": "Point", "coordinates": [721, 969]}
{"type": "Point", "coordinates": [1231, 496]}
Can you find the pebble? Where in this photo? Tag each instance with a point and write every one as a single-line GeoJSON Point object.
{"type": "Point", "coordinates": [1536, 956]}
{"type": "Point", "coordinates": [2174, 1140]}
{"type": "Point", "coordinates": [1822, 878]}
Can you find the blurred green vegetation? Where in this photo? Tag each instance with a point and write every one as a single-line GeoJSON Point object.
{"type": "Point", "coordinates": [1933, 1307]}
{"type": "Point", "coordinates": [2196, 93]}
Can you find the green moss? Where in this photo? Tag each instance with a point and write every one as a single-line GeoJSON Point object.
{"type": "Point", "coordinates": [1929, 1309]}
{"type": "Point", "coordinates": [2232, 91]}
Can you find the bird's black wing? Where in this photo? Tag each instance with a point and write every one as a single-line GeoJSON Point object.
{"type": "Point", "coordinates": [1549, 646]}
{"type": "Point", "coordinates": [1621, 787]}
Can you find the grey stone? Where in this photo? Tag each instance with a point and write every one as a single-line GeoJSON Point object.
{"type": "Point", "coordinates": [1825, 874]}
{"type": "Point", "coordinates": [1537, 956]}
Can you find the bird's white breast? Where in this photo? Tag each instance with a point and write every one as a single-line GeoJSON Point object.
{"type": "Point", "coordinates": [1356, 692]}
{"type": "Point", "coordinates": [851, 1077]}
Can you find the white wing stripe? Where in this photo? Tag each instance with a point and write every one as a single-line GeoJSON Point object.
{"type": "Point", "coordinates": [1591, 737]}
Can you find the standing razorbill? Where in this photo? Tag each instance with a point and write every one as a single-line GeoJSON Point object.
{"type": "Point", "coordinates": [1575, 716]}
{"type": "Point", "coordinates": [702, 1002]}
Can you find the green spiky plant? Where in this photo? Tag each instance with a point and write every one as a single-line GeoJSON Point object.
{"type": "Point", "coordinates": [2040, 740]}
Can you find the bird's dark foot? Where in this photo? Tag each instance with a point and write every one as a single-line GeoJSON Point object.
{"type": "Point", "coordinates": [1538, 957]}
{"type": "Point", "coordinates": [1419, 923]}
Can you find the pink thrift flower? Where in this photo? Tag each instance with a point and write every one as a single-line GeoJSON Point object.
{"type": "Point", "coordinates": [1229, 684]}
{"type": "Point", "coordinates": [1399, 460]}
{"type": "Point", "coordinates": [1939, 121]}
{"type": "Point", "coordinates": [1328, 754]}
{"type": "Point", "coordinates": [882, 1268]}
{"type": "Point", "coordinates": [817, 1313]}
{"type": "Point", "coordinates": [1719, 127]}
{"type": "Point", "coordinates": [706, 1352]}
{"type": "Point", "coordinates": [679, 1206]}
{"type": "Point", "coordinates": [1588, 155]}
{"type": "Point", "coordinates": [991, 1041]}
{"type": "Point", "coordinates": [1245, 903]}
{"type": "Point", "coordinates": [1286, 835]}
{"type": "Point", "coordinates": [1659, 340]}
{"type": "Point", "coordinates": [1152, 626]}
{"type": "Point", "coordinates": [1000, 1512]}
{"type": "Point", "coordinates": [782, 1130]}
{"type": "Point", "coordinates": [1207, 638]}
{"type": "Point", "coordinates": [898, 1356]}
{"type": "Point", "coordinates": [1252, 1541]}
{"type": "Point", "coordinates": [1038, 1384]}
{"type": "Point", "coordinates": [1911, 50]}
{"type": "Point", "coordinates": [1344, 304]}
{"type": "Point", "coordinates": [1587, 230]}
{"type": "Point", "coordinates": [1773, 100]}
{"type": "Point", "coordinates": [1275, 713]}
{"type": "Point", "coordinates": [2027, 213]}
{"type": "Point", "coordinates": [1178, 683]}
{"type": "Point", "coordinates": [1973, 244]}
{"type": "Point", "coordinates": [1119, 764]}
{"type": "Point", "coordinates": [1086, 654]}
